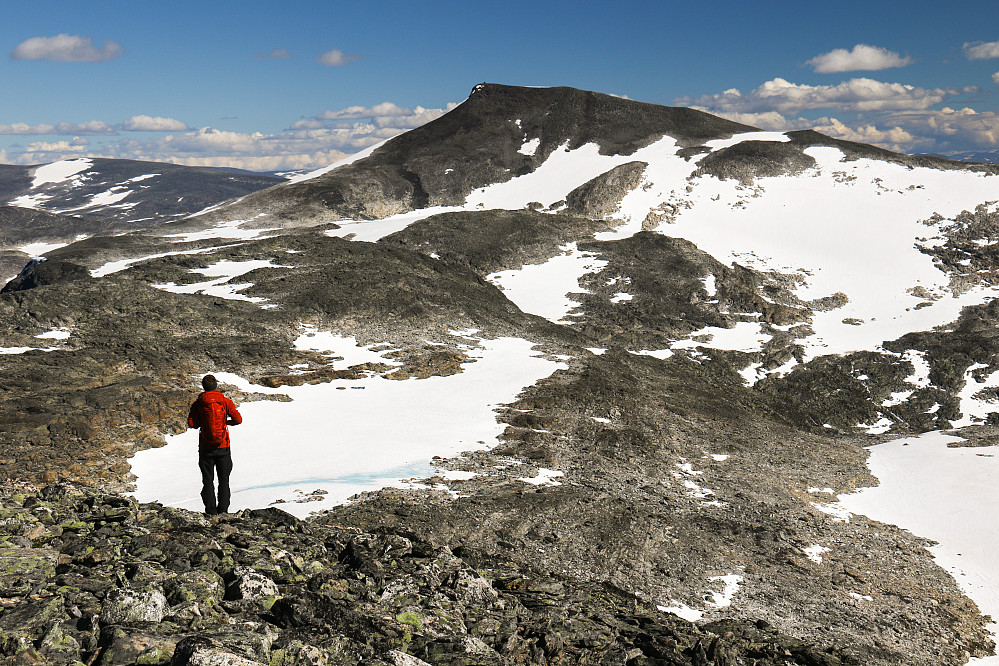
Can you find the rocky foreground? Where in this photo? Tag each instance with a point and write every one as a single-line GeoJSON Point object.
{"type": "Point", "coordinates": [99, 579]}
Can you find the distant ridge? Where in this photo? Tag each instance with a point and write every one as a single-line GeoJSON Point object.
{"type": "Point", "coordinates": [113, 190]}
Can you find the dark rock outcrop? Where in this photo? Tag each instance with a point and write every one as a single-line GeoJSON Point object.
{"type": "Point", "coordinates": [335, 595]}
{"type": "Point", "coordinates": [39, 273]}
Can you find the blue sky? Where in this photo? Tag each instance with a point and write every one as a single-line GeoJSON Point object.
{"type": "Point", "coordinates": [270, 86]}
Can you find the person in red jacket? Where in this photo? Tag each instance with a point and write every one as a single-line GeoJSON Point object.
{"type": "Point", "coordinates": [212, 413]}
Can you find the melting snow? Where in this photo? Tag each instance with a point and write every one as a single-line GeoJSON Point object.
{"type": "Point", "coordinates": [713, 598]}
{"type": "Point", "coordinates": [373, 230]}
{"type": "Point", "coordinates": [228, 229]}
{"type": "Point", "coordinates": [120, 265]}
{"type": "Point", "coordinates": [38, 250]}
{"type": "Point", "coordinates": [57, 172]}
{"type": "Point", "coordinates": [974, 407]}
{"type": "Point", "coordinates": [545, 477]}
{"type": "Point", "coordinates": [815, 552]}
{"type": "Point", "coordinates": [949, 495]}
{"type": "Point", "coordinates": [345, 347]}
{"type": "Point", "coordinates": [223, 271]}
{"type": "Point", "coordinates": [530, 147]}
{"type": "Point", "coordinates": [371, 434]}
{"type": "Point", "coordinates": [543, 289]}
{"type": "Point", "coordinates": [55, 334]}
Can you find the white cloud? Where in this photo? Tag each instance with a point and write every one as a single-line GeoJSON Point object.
{"type": "Point", "coordinates": [353, 112]}
{"type": "Point", "coordinates": [981, 50]}
{"type": "Point", "coordinates": [767, 120]}
{"type": "Point", "coordinates": [855, 95]}
{"type": "Point", "coordinates": [952, 129]}
{"type": "Point", "coordinates": [309, 143]}
{"type": "Point", "coordinates": [65, 48]}
{"type": "Point", "coordinates": [936, 130]}
{"type": "Point", "coordinates": [88, 127]}
{"type": "Point", "coordinates": [386, 115]}
{"type": "Point", "coordinates": [57, 146]}
{"type": "Point", "coordinates": [893, 138]}
{"type": "Point", "coordinates": [336, 58]}
{"type": "Point", "coordinates": [995, 78]}
{"type": "Point", "coordinates": [153, 124]}
{"type": "Point", "coordinates": [862, 57]}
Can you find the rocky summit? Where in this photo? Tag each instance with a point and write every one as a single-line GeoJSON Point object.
{"type": "Point", "coordinates": [718, 319]}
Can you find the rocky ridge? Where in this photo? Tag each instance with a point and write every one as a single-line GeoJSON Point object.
{"type": "Point", "coordinates": [98, 579]}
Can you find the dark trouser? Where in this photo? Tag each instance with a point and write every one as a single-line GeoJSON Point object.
{"type": "Point", "coordinates": [211, 462]}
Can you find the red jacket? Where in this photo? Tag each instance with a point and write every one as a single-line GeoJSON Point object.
{"type": "Point", "coordinates": [212, 412]}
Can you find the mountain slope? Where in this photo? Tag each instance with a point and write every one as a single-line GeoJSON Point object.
{"type": "Point", "coordinates": [481, 142]}
{"type": "Point", "coordinates": [124, 191]}
{"type": "Point", "coordinates": [712, 319]}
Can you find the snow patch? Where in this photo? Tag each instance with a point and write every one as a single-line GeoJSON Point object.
{"type": "Point", "coordinates": [543, 289]}
{"type": "Point", "coordinates": [223, 271]}
{"type": "Point", "coordinates": [530, 147]}
{"type": "Point", "coordinates": [545, 477]}
{"type": "Point", "coordinates": [39, 250]}
{"type": "Point", "coordinates": [373, 230]}
{"type": "Point", "coordinates": [815, 552]}
{"type": "Point", "coordinates": [55, 334]}
{"type": "Point", "coordinates": [947, 494]}
{"type": "Point", "coordinates": [372, 434]}
{"type": "Point", "coordinates": [231, 229]}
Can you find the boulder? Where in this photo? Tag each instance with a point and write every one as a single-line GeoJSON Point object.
{"type": "Point", "coordinates": [126, 606]}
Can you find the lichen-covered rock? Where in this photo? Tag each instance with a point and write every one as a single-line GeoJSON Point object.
{"type": "Point", "coordinates": [237, 645]}
{"type": "Point", "coordinates": [397, 658]}
{"type": "Point", "coordinates": [249, 585]}
{"type": "Point", "coordinates": [138, 643]}
{"type": "Point", "coordinates": [126, 606]}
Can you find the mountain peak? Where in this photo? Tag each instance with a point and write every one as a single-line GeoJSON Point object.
{"type": "Point", "coordinates": [498, 133]}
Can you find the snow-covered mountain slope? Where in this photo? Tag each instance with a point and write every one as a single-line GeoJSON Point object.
{"type": "Point", "coordinates": [653, 337]}
{"type": "Point", "coordinates": [821, 246]}
{"type": "Point", "coordinates": [50, 205]}
{"type": "Point", "coordinates": [124, 191]}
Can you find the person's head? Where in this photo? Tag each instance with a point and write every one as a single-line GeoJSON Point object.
{"type": "Point", "coordinates": [209, 383]}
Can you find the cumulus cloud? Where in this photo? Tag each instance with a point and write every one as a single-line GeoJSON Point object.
{"type": "Point", "coordinates": [308, 144]}
{"type": "Point", "coordinates": [952, 129]}
{"type": "Point", "coordinates": [862, 57]}
{"type": "Point", "coordinates": [88, 127]}
{"type": "Point", "coordinates": [336, 58]}
{"type": "Point", "coordinates": [855, 95]}
{"type": "Point", "coordinates": [929, 130]}
{"type": "Point", "coordinates": [890, 137]}
{"type": "Point", "coordinates": [386, 115]}
{"type": "Point", "coordinates": [766, 120]}
{"type": "Point", "coordinates": [995, 78]}
{"type": "Point", "coordinates": [981, 50]}
{"type": "Point", "coordinates": [153, 124]}
{"type": "Point", "coordinates": [66, 48]}
{"type": "Point", "coordinates": [276, 54]}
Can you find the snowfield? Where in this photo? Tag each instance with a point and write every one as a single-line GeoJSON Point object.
{"type": "Point", "coordinates": [949, 495]}
{"type": "Point", "coordinates": [338, 439]}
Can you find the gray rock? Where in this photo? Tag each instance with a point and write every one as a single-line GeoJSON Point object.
{"type": "Point", "coordinates": [122, 606]}
{"type": "Point", "coordinates": [248, 584]}
{"type": "Point", "coordinates": [398, 658]}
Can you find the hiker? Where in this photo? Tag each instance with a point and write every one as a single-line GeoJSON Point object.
{"type": "Point", "coordinates": [212, 412]}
